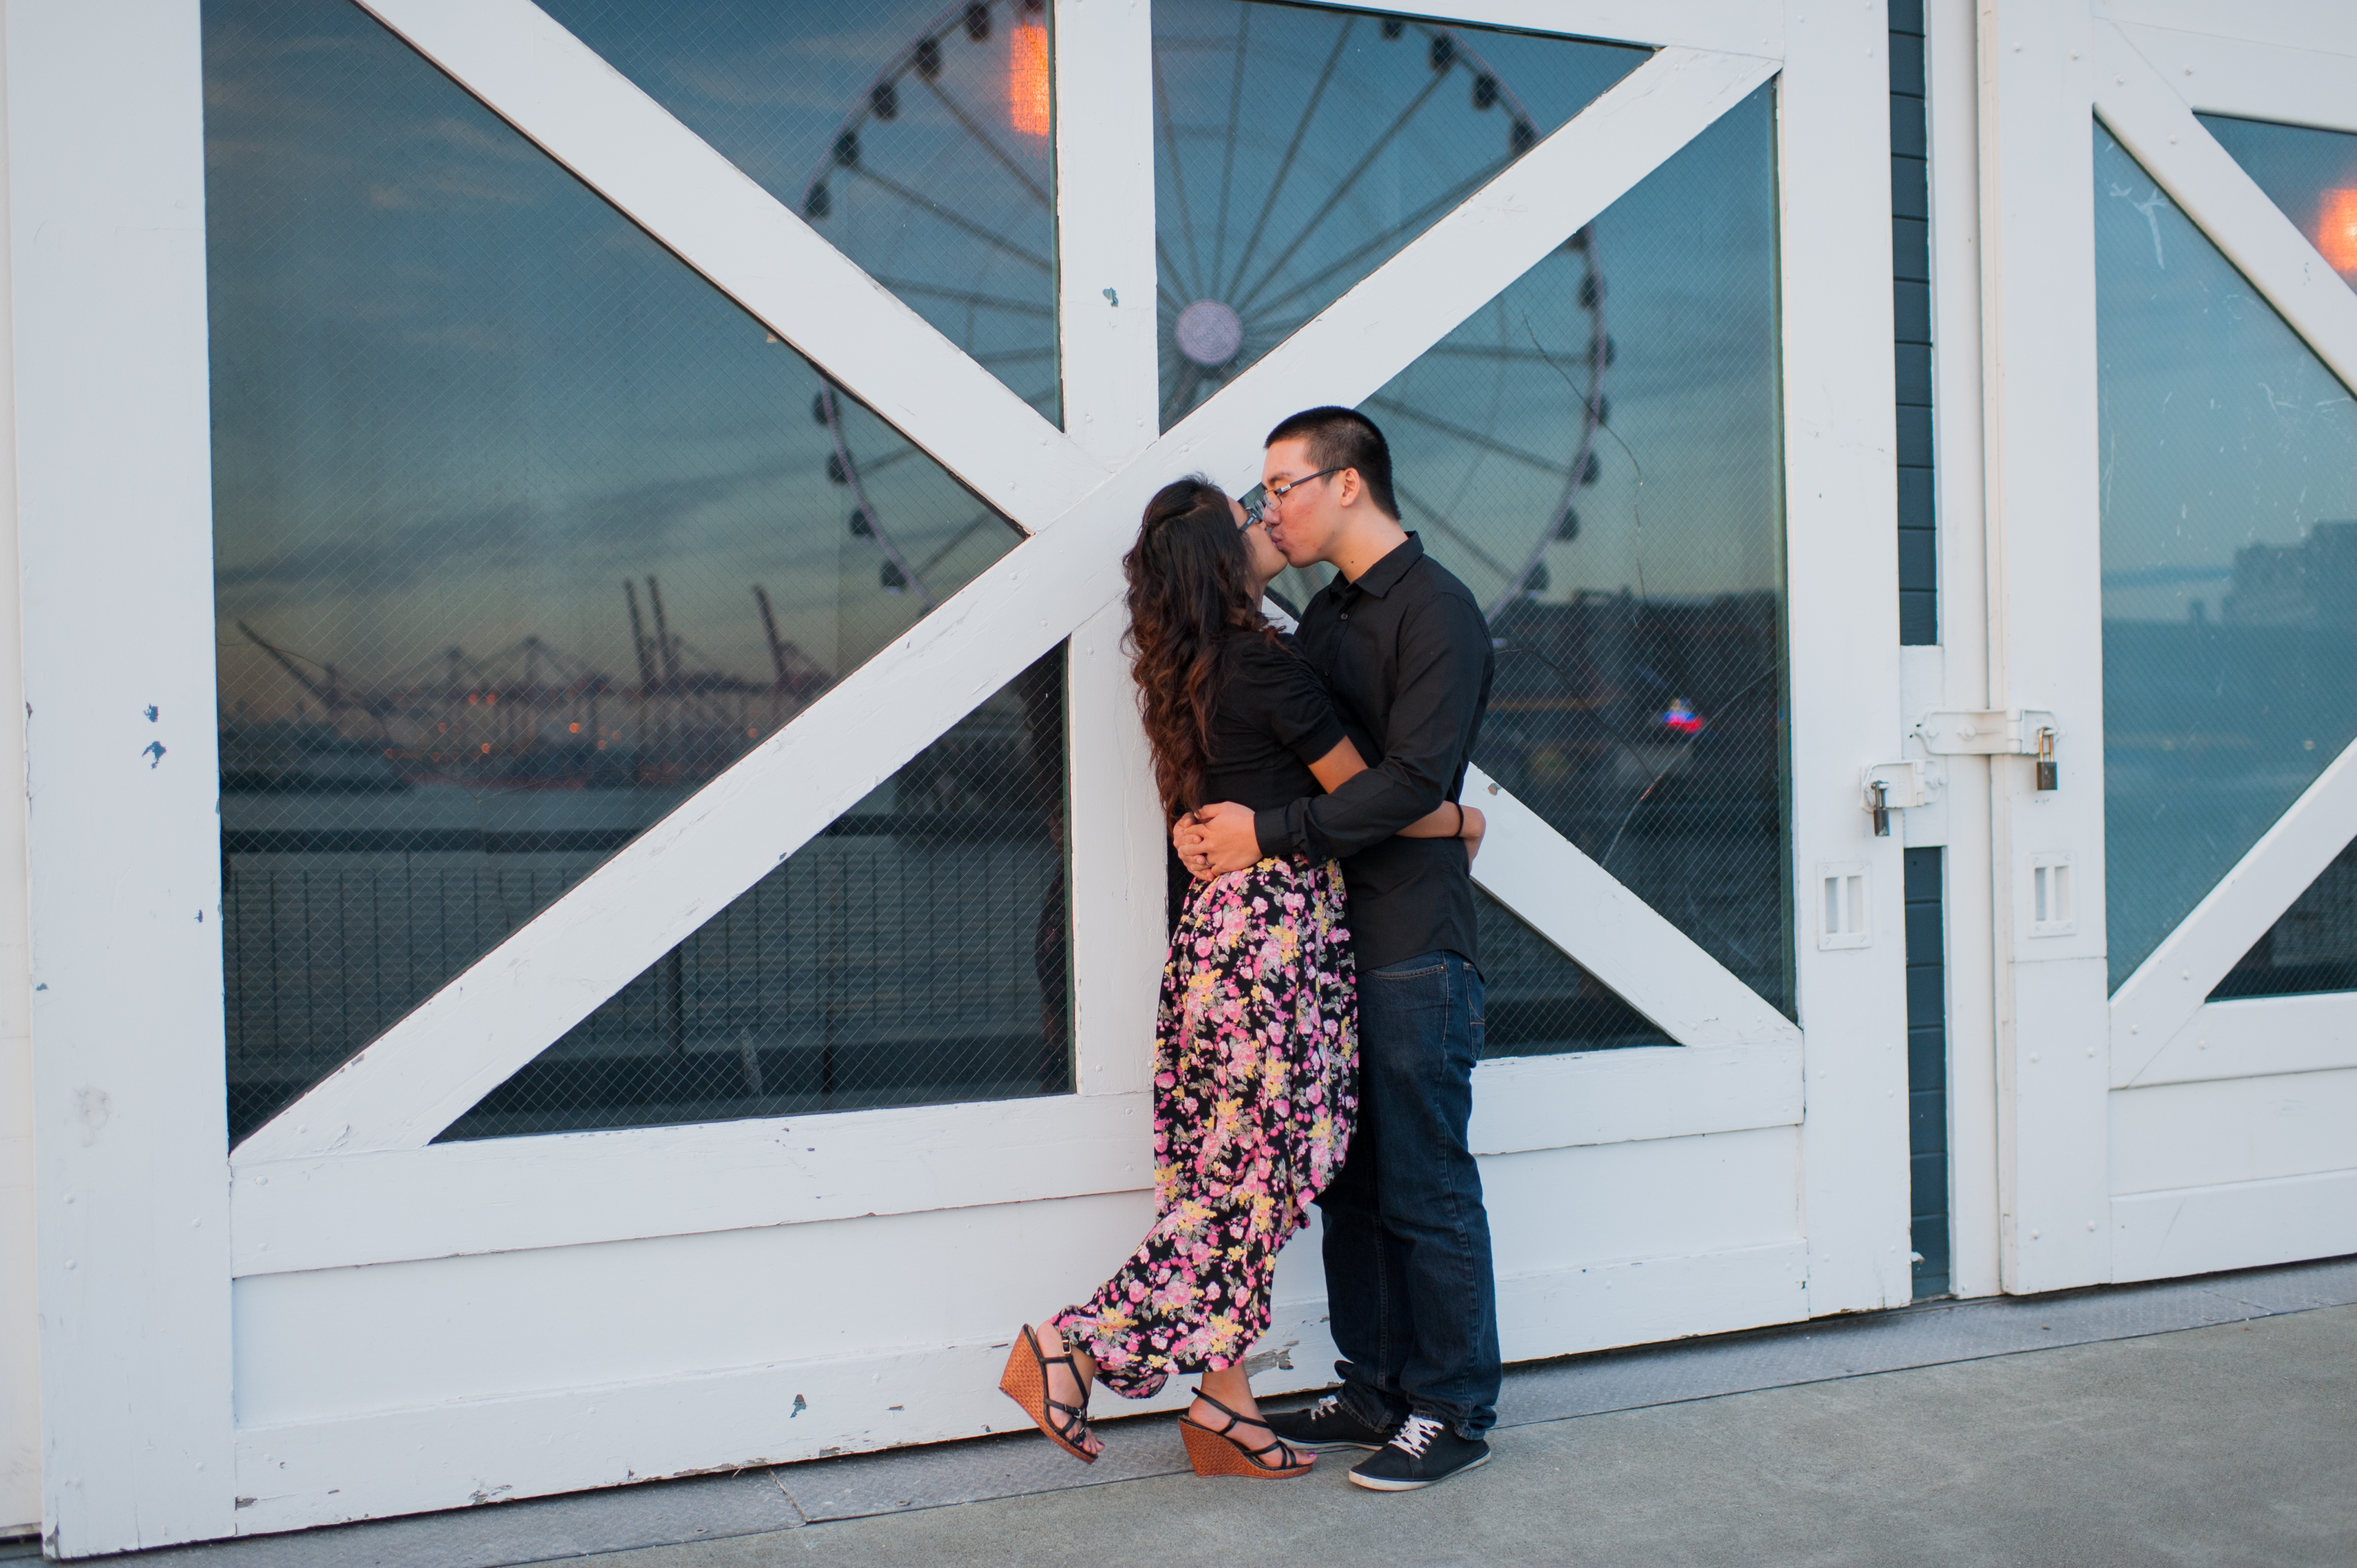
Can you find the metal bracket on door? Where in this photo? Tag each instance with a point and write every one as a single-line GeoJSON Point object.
{"type": "Point", "coordinates": [2010, 732]}
{"type": "Point", "coordinates": [1894, 786]}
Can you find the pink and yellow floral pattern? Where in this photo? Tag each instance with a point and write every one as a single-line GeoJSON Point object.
{"type": "Point", "coordinates": [1255, 1086]}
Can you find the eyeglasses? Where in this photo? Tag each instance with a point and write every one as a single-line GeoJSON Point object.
{"type": "Point", "coordinates": [1257, 510]}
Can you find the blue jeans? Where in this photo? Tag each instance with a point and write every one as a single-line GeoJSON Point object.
{"type": "Point", "coordinates": [1413, 1299]}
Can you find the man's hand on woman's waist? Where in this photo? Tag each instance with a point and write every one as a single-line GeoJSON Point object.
{"type": "Point", "coordinates": [1216, 840]}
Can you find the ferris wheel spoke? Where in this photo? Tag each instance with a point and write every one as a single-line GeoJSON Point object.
{"type": "Point", "coordinates": [1472, 437]}
{"type": "Point", "coordinates": [1228, 156]}
{"type": "Point", "coordinates": [962, 224]}
{"type": "Point", "coordinates": [1378, 246]}
{"type": "Point", "coordinates": [1292, 151]}
{"type": "Point", "coordinates": [1168, 265]}
{"type": "Point", "coordinates": [1335, 198]}
{"type": "Point", "coordinates": [965, 296]}
{"type": "Point", "coordinates": [1177, 176]}
{"type": "Point", "coordinates": [1005, 159]}
{"type": "Point", "coordinates": [877, 465]}
{"type": "Point", "coordinates": [960, 537]}
{"type": "Point", "coordinates": [1497, 353]}
{"type": "Point", "coordinates": [1440, 520]}
{"type": "Point", "coordinates": [1182, 395]}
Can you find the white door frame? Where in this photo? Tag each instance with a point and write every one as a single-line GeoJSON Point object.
{"type": "Point", "coordinates": [2075, 1191]}
{"type": "Point", "coordinates": [106, 145]}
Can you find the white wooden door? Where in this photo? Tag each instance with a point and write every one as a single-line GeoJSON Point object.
{"type": "Point", "coordinates": [362, 1320]}
{"type": "Point", "coordinates": [2171, 1107]}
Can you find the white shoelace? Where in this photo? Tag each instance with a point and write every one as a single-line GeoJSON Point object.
{"type": "Point", "coordinates": [1415, 1434]}
{"type": "Point", "coordinates": [1324, 1407]}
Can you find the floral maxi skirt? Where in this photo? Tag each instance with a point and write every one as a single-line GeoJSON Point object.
{"type": "Point", "coordinates": [1255, 1087]}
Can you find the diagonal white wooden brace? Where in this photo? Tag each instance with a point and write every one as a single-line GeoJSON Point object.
{"type": "Point", "coordinates": [628, 148]}
{"type": "Point", "coordinates": [431, 1067]}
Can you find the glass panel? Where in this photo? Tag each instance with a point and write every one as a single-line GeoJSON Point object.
{"type": "Point", "coordinates": [1296, 148]}
{"type": "Point", "coordinates": [1537, 1002]}
{"type": "Point", "coordinates": [2312, 947]}
{"type": "Point", "coordinates": [2229, 498]}
{"type": "Point", "coordinates": [913, 953]}
{"type": "Point", "coordinates": [523, 530]}
{"type": "Point", "coordinates": [912, 134]}
{"type": "Point", "coordinates": [1596, 454]}
{"type": "Point", "coordinates": [2311, 174]}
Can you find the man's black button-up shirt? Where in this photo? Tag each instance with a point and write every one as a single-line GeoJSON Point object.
{"type": "Point", "coordinates": [1407, 657]}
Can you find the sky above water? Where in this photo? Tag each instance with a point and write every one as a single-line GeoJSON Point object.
{"type": "Point", "coordinates": [459, 401]}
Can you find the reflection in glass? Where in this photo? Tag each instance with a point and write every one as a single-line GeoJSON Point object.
{"type": "Point", "coordinates": [523, 530]}
{"type": "Point", "coordinates": [1538, 1003]}
{"type": "Point", "coordinates": [914, 953]}
{"type": "Point", "coordinates": [2312, 947]}
{"type": "Point", "coordinates": [1596, 454]}
{"type": "Point", "coordinates": [2311, 175]}
{"type": "Point", "coordinates": [1296, 148]}
{"type": "Point", "coordinates": [2229, 471]}
{"type": "Point", "coordinates": [912, 135]}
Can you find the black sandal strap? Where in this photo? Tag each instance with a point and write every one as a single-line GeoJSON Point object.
{"type": "Point", "coordinates": [1277, 1444]}
{"type": "Point", "coordinates": [1076, 1427]}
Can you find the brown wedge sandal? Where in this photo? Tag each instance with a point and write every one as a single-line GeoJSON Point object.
{"type": "Point", "coordinates": [1218, 1451]}
{"type": "Point", "coordinates": [1026, 1383]}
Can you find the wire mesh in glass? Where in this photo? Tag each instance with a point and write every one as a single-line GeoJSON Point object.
{"type": "Point", "coordinates": [913, 135]}
{"type": "Point", "coordinates": [2311, 175]}
{"type": "Point", "coordinates": [2228, 472]}
{"type": "Point", "coordinates": [1595, 453]}
{"type": "Point", "coordinates": [523, 530]}
{"type": "Point", "coordinates": [1297, 148]}
{"type": "Point", "coordinates": [914, 953]}
{"type": "Point", "coordinates": [2312, 947]}
{"type": "Point", "coordinates": [1538, 1003]}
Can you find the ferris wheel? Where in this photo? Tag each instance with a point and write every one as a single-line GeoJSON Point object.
{"type": "Point", "coordinates": [1287, 180]}
{"type": "Point", "coordinates": [1264, 219]}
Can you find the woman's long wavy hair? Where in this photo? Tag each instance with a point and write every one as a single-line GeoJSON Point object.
{"type": "Point", "coordinates": [1191, 595]}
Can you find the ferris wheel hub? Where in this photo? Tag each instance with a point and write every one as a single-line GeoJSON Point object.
{"type": "Point", "coordinates": [1209, 332]}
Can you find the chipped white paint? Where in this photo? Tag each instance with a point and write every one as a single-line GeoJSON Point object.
{"type": "Point", "coordinates": [112, 443]}
{"type": "Point", "coordinates": [529, 1371]}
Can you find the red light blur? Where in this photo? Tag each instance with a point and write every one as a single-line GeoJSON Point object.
{"type": "Point", "coordinates": [1026, 79]}
{"type": "Point", "coordinates": [2336, 229]}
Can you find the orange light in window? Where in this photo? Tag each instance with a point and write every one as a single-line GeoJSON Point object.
{"type": "Point", "coordinates": [1026, 79]}
{"type": "Point", "coordinates": [2336, 229]}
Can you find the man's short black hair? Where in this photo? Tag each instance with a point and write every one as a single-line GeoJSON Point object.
{"type": "Point", "coordinates": [1344, 438]}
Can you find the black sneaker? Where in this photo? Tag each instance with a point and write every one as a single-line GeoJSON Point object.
{"type": "Point", "coordinates": [1424, 1452]}
{"type": "Point", "coordinates": [1327, 1425]}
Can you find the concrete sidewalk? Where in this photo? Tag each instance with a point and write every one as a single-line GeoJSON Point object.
{"type": "Point", "coordinates": [2229, 1444]}
{"type": "Point", "coordinates": [2199, 1421]}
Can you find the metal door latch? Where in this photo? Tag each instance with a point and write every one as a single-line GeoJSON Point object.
{"type": "Point", "coordinates": [1893, 786]}
{"type": "Point", "coordinates": [2011, 732]}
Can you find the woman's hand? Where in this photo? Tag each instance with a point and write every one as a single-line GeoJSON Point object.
{"type": "Point", "coordinates": [1475, 826]}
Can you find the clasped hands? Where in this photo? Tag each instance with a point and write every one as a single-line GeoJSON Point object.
{"type": "Point", "coordinates": [1220, 838]}
{"type": "Point", "coordinates": [1217, 839]}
